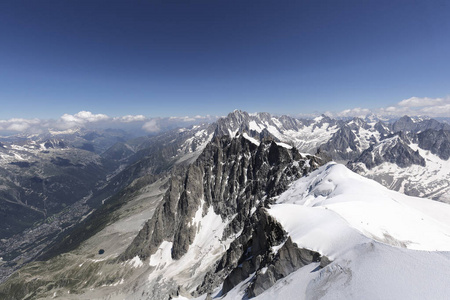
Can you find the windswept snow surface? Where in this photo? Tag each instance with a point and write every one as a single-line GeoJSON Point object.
{"type": "Point", "coordinates": [368, 207]}
{"type": "Point", "coordinates": [383, 244]}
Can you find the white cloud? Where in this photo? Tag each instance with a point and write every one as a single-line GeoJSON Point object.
{"type": "Point", "coordinates": [196, 118]}
{"type": "Point", "coordinates": [185, 119]}
{"type": "Point", "coordinates": [421, 102]}
{"type": "Point", "coordinates": [20, 125]}
{"type": "Point", "coordinates": [354, 112]}
{"type": "Point", "coordinates": [151, 126]}
{"type": "Point", "coordinates": [440, 110]}
{"type": "Point", "coordinates": [88, 119]}
{"type": "Point", "coordinates": [390, 109]}
{"type": "Point", "coordinates": [420, 106]}
{"type": "Point", "coordinates": [131, 118]}
{"type": "Point", "coordinates": [83, 117]}
{"type": "Point", "coordinates": [159, 124]}
{"type": "Point", "coordinates": [413, 106]}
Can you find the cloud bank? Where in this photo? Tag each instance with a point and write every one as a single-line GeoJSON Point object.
{"type": "Point", "coordinates": [87, 119]}
{"type": "Point", "coordinates": [413, 106]}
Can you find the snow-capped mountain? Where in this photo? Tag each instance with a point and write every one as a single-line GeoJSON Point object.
{"type": "Point", "coordinates": [414, 164]}
{"type": "Point", "coordinates": [236, 209]}
{"type": "Point", "coordinates": [416, 125]}
{"type": "Point", "coordinates": [225, 185]}
{"type": "Point", "coordinates": [343, 140]}
{"type": "Point", "coordinates": [381, 244]}
{"type": "Point", "coordinates": [330, 235]}
{"type": "Point", "coordinates": [367, 143]}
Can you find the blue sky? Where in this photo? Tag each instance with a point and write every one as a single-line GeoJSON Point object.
{"type": "Point", "coordinates": [177, 58]}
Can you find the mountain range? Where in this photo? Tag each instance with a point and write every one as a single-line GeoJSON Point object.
{"type": "Point", "coordinates": [251, 205]}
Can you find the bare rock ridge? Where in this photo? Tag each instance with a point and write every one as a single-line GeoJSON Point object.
{"type": "Point", "coordinates": [252, 252]}
{"type": "Point", "coordinates": [438, 142]}
{"type": "Point", "coordinates": [231, 175]}
{"type": "Point", "coordinates": [393, 150]}
{"type": "Point", "coordinates": [414, 163]}
{"type": "Point", "coordinates": [406, 123]}
{"type": "Point", "coordinates": [343, 145]}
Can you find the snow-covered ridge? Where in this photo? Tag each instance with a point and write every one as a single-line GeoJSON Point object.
{"type": "Point", "coordinates": [368, 232]}
{"type": "Point", "coordinates": [431, 180]}
{"type": "Point", "coordinates": [373, 210]}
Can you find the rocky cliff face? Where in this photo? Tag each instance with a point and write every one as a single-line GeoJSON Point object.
{"type": "Point", "coordinates": [393, 150]}
{"type": "Point", "coordinates": [263, 249]}
{"type": "Point", "coordinates": [413, 163]}
{"type": "Point", "coordinates": [406, 123]}
{"type": "Point", "coordinates": [235, 178]}
{"type": "Point", "coordinates": [230, 176]}
{"type": "Point", "coordinates": [343, 145]}
{"type": "Point", "coordinates": [438, 142]}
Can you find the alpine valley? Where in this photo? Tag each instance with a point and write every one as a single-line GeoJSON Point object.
{"type": "Point", "coordinates": [249, 206]}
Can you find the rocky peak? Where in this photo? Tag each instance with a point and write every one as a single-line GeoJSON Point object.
{"type": "Point", "coordinates": [343, 145]}
{"type": "Point", "coordinates": [382, 128]}
{"type": "Point", "coordinates": [233, 122]}
{"type": "Point", "coordinates": [394, 150]}
{"type": "Point", "coordinates": [437, 141]}
{"type": "Point", "coordinates": [231, 176]}
{"type": "Point", "coordinates": [323, 119]}
{"type": "Point", "coordinates": [405, 123]}
{"type": "Point", "coordinates": [357, 123]}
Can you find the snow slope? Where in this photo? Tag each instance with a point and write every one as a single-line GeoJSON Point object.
{"type": "Point", "coordinates": [383, 244]}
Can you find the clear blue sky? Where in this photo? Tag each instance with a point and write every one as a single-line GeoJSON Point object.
{"type": "Point", "coordinates": [173, 58]}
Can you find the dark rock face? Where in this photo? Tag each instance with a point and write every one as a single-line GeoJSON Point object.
{"type": "Point", "coordinates": [53, 143]}
{"type": "Point", "coordinates": [343, 145]}
{"type": "Point", "coordinates": [231, 175]}
{"type": "Point", "coordinates": [237, 179]}
{"type": "Point", "coordinates": [239, 121]}
{"type": "Point", "coordinates": [405, 123]}
{"type": "Point", "coordinates": [393, 150]}
{"type": "Point", "coordinates": [252, 252]}
{"type": "Point", "coordinates": [358, 123]}
{"type": "Point", "coordinates": [382, 128]}
{"type": "Point", "coordinates": [438, 142]}
{"type": "Point", "coordinates": [288, 259]}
